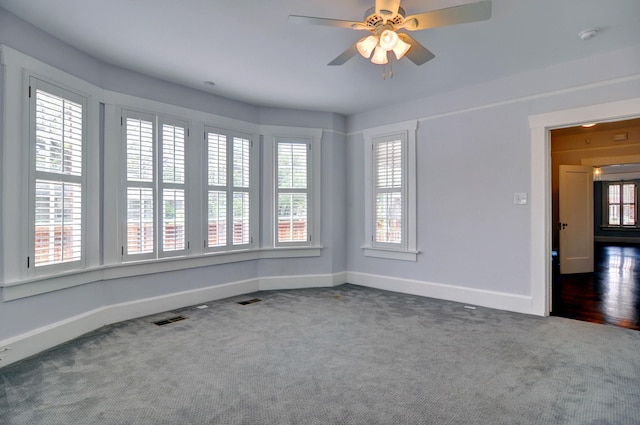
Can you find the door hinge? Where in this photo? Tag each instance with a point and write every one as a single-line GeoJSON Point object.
{"type": "Point", "coordinates": [121, 121]}
{"type": "Point", "coordinates": [29, 92]}
{"type": "Point", "coordinates": [122, 250]}
{"type": "Point", "coordinates": [28, 261]}
{"type": "Point", "coordinates": [188, 245]}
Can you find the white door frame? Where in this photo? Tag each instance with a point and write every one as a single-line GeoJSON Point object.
{"type": "Point", "coordinates": [541, 125]}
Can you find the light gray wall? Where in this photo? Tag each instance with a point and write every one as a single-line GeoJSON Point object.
{"type": "Point", "coordinates": [26, 38]}
{"type": "Point", "coordinates": [26, 314]}
{"type": "Point", "coordinates": [473, 155]}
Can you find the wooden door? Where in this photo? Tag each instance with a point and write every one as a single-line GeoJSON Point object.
{"type": "Point", "coordinates": [576, 219]}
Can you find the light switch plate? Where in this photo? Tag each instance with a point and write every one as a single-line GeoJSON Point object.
{"type": "Point", "coordinates": [520, 198]}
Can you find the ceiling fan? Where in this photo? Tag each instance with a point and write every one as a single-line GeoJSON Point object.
{"type": "Point", "coordinates": [385, 19]}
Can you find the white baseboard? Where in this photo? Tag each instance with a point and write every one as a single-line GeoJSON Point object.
{"type": "Point", "coordinates": [30, 343]}
{"type": "Point", "coordinates": [471, 296]}
{"type": "Point", "coordinates": [300, 282]}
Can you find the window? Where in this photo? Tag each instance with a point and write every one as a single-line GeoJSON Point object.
{"type": "Point", "coordinates": [621, 204]}
{"type": "Point", "coordinates": [292, 191]}
{"type": "Point", "coordinates": [390, 196]}
{"type": "Point", "coordinates": [389, 187]}
{"type": "Point", "coordinates": [155, 196]}
{"type": "Point", "coordinates": [230, 200]}
{"type": "Point", "coordinates": [172, 186]}
{"type": "Point", "coordinates": [58, 139]}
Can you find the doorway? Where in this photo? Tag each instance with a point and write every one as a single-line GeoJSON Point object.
{"type": "Point", "coordinates": [610, 292]}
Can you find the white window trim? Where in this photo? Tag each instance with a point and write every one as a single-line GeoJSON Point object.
{"type": "Point", "coordinates": [605, 205]}
{"type": "Point", "coordinates": [254, 198]}
{"type": "Point", "coordinates": [34, 84]}
{"type": "Point", "coordinates": [408, 251]}
{"type": "Point", "coordinates": [307, 142]}
{"type": "Point", "coordinates": [158, 119]}
{"type": "Point", "coordinates": [102, 242]}
{"type": "Point", "coordinates": [270, 135]}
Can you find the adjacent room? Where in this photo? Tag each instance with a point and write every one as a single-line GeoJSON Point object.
{"type": "Point", "coordinates": [316, 212]}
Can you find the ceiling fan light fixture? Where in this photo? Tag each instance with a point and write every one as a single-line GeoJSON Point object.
{"type": "Point", "coordinates": [366, 45]}
{"type": "Point", "coordinates": [379, 56]}
{"type": "Point", "coordinates": [388, 40]}
{"type": "Point", "coordinates": [400, 49]}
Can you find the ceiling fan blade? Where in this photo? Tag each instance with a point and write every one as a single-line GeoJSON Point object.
{"type": "Point", "coordinates": [417, 54]}
{"type": "Point", "coordinates": [472, 12]}
{"type": "Point", "coordinates": [345, 56]}
{"type": "Point", "coordinates": [387, 7]}
{"type": "Point", "coordinates": [327, 22]}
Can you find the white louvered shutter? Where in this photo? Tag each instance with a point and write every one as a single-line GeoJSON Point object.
{"type": "Point", "coordinates": [59, 138]}
{"type": "Point", "coordinates": [173, 187]}
{"type": "Point", "coordinates": [140, 141]}
{"type": "Point", "coordinates": [292, 194]}
{"type": "Point", "coordinates": [388, 161]}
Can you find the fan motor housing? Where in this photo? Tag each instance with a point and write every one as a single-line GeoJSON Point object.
{"type": "Point", "coordinates": [373, 19]}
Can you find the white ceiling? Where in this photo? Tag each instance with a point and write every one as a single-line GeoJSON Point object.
{"type": "Point", "coordinates": [254, 55]}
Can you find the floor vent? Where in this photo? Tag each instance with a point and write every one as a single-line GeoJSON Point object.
{"type": "Point", "coordinates": [255, 300]}
{"type": "Point", "coordinates": [169, 320]}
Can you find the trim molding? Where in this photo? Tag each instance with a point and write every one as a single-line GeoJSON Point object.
{"type": "Point", "coordinates": [476, 297]}
{"type": "Point", "coordinates": [40, 339]}
{"type": "Point", "coordinates": [302, 281]}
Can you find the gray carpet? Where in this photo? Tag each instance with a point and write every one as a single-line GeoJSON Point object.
{"type": "Point", "coordinates": [344, 355]}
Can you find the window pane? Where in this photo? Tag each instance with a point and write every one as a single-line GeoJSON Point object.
{"type": "Point", "coordinates": [139, 150]}
{"type": "Point", "coordinates": [614, 194]}
{"type": "Point", "coordinates": [58, 130]}
{"type": "Point", "coordinates": [629, 215]}
{"type": "Point", "coordinates": [388, 217]}
{"type": "Point", "coordinates": [172, 154]}
{"type": "Point", "coordinates": [173, 231]}
{"type": "Point", "coordinates": [292, 165]}
{"type": "Point", "coordinates": [241, 162]}
{"type": "Point", "coordinates": [240, 218]}
{"type": "Point", "coordinates": [628, 193]}
{"type": "Point", "coordinates": [58, 226]}
{"type": "Point", "coordinates": [292, 217]}
{"type": "Point", "coordinates": [217, 221]}
{"type": "Point", "coordinates": [388, 162]}
{"type": "Point", "coordinates": [139, 220]}
{"type": "Point", "coordinates": [614, 214]}
{"type": "Point", "coordinates": [217, 159]}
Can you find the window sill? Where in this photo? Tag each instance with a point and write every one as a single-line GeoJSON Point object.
{"type": "Point", "coordinates": [621, 228]}
{"type": "Point", "coordinates": [391, 254]}
{"type": "Point", "coordinates": [43, 284]}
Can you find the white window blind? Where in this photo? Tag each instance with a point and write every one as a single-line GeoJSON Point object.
{"type": "Point", "coordinates": [140, 152]}
{"type": "Point", "coordinates": [173, 188]}
{"type": "Point", "coordinates": [388, 160]}
{"type": "Point", "coordinates": [228, 190]}
{"type": "Point", "coordinates": [390, 195]}
{"type": "Point", "coordinates": [241, 228]}
{"type": "Point", "coordinates": [621, 200]}
{"type": "Point", "coordinates": [292, 191]}
{"type": "Point", "coordinates": [217, 189]}
{"type": "Point", "coordinates": [57, 122]}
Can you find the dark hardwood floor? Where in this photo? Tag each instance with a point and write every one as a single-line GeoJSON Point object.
{"type": "Point", "coordinates": [609, 295]}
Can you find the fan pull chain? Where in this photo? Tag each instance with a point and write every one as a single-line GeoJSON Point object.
{"type": "Point", "coordinates": [384, 71]}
